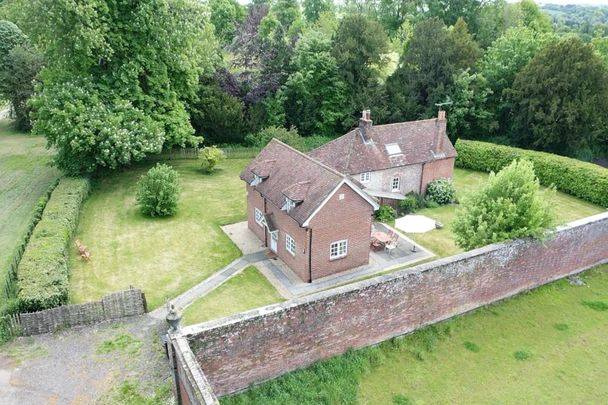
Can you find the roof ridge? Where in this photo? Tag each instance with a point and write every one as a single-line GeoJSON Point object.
{"type": "Point", "coordinates": [404, 122]}
{"type": "Point", "coordinates": [329, 169]}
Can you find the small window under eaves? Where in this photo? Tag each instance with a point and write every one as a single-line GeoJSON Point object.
{"type": "Point", "coordinates": [393, 149]}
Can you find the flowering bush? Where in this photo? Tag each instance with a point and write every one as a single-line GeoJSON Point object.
{"type": "Point", "coordinates": [158, 191]}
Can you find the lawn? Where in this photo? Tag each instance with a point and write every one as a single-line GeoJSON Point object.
{"type": "Point", "coordinates": [441, 241]}
{"type": "Point", "coordinates": [24, 177]}
{"type": "Point", "coordinates": [545, 346]}
{"type": "Point", "coordinates": [247, 290]}
{"type": "Point", "coordinates": [164, 257]}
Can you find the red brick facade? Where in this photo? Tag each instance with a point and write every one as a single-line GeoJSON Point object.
{"type": "Point", "coordinates": [261, 344]}
{"type": "Point", "coordinates": [436, 169]}
{"type": "Point", "coordinates": [345, 216]}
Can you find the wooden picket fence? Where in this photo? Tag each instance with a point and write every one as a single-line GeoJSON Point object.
{"type": "Point", "coordinates": [175, 154]}
{"type": "Point", "coordinates": [240, 152]}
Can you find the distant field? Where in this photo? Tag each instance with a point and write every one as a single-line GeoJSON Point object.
{"type": "Point", "coordinates": [547, 346]}
{"type": "Point", "coordinates": [24, 177]}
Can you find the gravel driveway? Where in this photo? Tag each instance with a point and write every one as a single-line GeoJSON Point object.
{"type": "Point", "coordinates": [84, 365]}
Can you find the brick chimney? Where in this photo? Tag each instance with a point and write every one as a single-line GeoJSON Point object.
{"type": "Point", "coordinates": [365, 124]}
{"type": "Point", "coordinates": [440, 133]}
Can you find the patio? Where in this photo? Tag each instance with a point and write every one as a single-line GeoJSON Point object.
{"type": "Point", "coordinates": [289, 285]}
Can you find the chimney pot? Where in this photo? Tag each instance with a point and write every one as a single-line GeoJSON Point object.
{"type": "Point", "coordinates": [365, 123]}
{"type": "Point", "coordinates": [441, 115]}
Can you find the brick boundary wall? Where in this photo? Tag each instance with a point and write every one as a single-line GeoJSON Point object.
{"type": "Point", "coordinates": [112, 306]}
{"type": "Point", "coordinates": [261, 344]}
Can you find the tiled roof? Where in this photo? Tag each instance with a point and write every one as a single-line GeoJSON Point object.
{"type": "Point", "coordinates": [294, 175]}
{"type": "Point", "coordinates": [349, 154]}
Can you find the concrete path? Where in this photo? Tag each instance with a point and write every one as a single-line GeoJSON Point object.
{"type": "Point", "coordinates": [209, 284]}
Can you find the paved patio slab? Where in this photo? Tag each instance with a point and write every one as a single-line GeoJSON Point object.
{"type": "Point", "coordinates": [415, 224]}
{"type": "Point", "coordinates": [243, 238]}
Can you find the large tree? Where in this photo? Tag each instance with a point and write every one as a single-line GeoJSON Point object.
{"type": "Point", "coordinates": [560, 100]}
{"type": "Point", "coordinates": [425, 76]}
{"type": "Point", "coordinates": [225, 15]}
{"type": "Point", "coordinates": [19, 65]}
{"type": "Point", "coordinates": [359, 44]}
{"type": "Point", "coordinates": [507, 56]}
{"type": "Point", "coordinates": [117, 78]}
{"type": "Point", "coordinates": [314, 95]}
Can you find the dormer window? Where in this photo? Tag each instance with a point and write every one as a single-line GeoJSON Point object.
{"type": "Point", "coordinates": [392, 149]}
{"type": "Point", "coordinates": [288, 205]}
{"type": "Point", "coordinates": [256, 180]}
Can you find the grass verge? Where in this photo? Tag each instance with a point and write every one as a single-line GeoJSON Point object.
{"type": "Point", "coordinates": [247, 290]}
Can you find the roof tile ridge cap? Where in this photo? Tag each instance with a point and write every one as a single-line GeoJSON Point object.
{"type": "Point", "coordinates": [305, 156]}
{"type": "Point", "coordinates": [404, 122]}
{"type": "Point", "coordinates": [332, 141]}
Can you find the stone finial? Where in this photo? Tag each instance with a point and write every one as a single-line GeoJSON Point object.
{"type": "Point", "coordinates": [173, 318]}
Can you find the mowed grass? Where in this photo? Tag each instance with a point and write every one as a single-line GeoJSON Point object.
{"type": "Point", "coordinates": [247, 290]}
{"type": "Point", "coordinates": [441, 241]}
{"type": "Point", "coordinates": [546, 346]}
{"type": "Point", "coordinates": [24, 177]}
{"type": "Point", "coordinates": [163, 256]}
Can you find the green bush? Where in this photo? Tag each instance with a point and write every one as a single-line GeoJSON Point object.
{"type": "Point", "coordinates": [580, 179]}
{"type": "Point", "coordinates": [210, 157]}
{"type": "Point", "coordinates": [386, 213]}
{"type": "Point", "coordinates": [158, 191]}
{"type": "Point", "coordinates": [509, 206]}
{"type": "Point", "coordinates": [42, 275]}
{"type": "Point", "coordinates": [410, 204]}
{"type": "Point", "coordinates": [288, 136]}
{"type": "Point", "coordinates": [441, 191]}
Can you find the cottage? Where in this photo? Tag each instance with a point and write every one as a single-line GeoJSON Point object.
{"type": "Point", "coordinates": [392, 160]}
{"type": "Point", "coordinates": [315, 219]}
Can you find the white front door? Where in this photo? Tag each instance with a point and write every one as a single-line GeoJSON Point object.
{"type": "Point", "coordinates": [274, 239]}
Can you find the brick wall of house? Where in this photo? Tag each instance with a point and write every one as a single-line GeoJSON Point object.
{"type": "Point", "coordinates": [261, 344]}
{"type": "Point", "coordinates": [287, 225]}
{"type": "Point", "coordinates": [345, 216]}
{"type": "Point", "coordinates": [437, 169]}
{"type": "Point", "coordinates": [254, 200]}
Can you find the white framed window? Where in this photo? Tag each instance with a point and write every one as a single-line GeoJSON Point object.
{"type": "Point", "coordinates": [259, 217]}
{"type": "Point", "coordinates": [288, 205]}
{"type": "Point", "coordinates": [364, 177]}
{"type": "Point", "coordinates": [338, 249]}
{"type": "Point", "coordinates": [393, 149]}
{"type": "Point", "coordinates": [290, 244]}
{"type": "Point", "coordinates": [396, 183]}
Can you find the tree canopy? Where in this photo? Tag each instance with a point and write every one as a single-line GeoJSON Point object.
{"type": "Point", "coordinates": [127, 66]}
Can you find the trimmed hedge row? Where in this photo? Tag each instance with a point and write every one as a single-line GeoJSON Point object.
{"type": "Point", "coordinates": [11, 275]}
{"type": "Point", "coordinates": [42, 275]}
{"type": "Point", "coordinates": [586, 181]}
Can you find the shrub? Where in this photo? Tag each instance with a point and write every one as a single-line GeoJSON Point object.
{"type": "Point", "coordinates": [42, 275]}
{"type": "Point", "coordinates": [288, 136]}
{"type": "Point", "coordinates": [158, 191]}
{"type": "Point", "coordinates": [508, 207]}
{"type": "Point", "coordinates": [580, 179]}
{"type": "Point", "coordinates": [386, 213]}
{"type": "Point", "coordinates": [430, 203]}
{"type": "Point", "coordinates": [409, 204]}
{"type": "Point", "coordinates": [211, 156]}
{"type": "Point", "coordinates": [441, 191]}
{"type": "Point", "coordinates": [522, 355]}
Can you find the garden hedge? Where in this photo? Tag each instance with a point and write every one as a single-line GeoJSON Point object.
{"type": "Point", "coordinates": [586, 181]}
{"type": "Point", "coordinates": [42, 275]}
